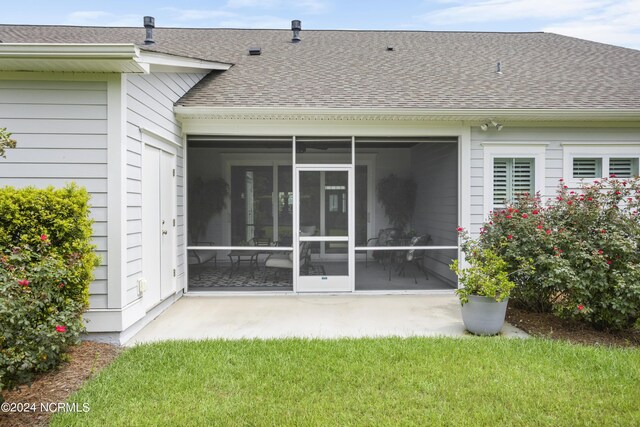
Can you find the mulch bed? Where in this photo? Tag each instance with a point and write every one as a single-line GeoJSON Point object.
{"type": "Point", "coordinates": [546, 325]}
{"type": "Point", "coordinates": [85, 360]}
{"type": "Point", "coordinates": [89, 357]}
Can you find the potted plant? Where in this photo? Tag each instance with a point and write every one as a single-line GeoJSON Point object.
{"type": "Point", "coordinates": [485, 290]}
{"type": "Point", "coordinates": [206, 199]}
{"type": "Point", "coordinates": [398, 196]}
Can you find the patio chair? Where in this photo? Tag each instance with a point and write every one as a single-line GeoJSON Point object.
{"type": "Point", "coordinates": [284, 261]}
{"type": "Point", "coordinates": [385, 235]}
{"type": "Point", "coordinates": [198, 260]}
{"type": "Point", "coordinates": [415, 256]}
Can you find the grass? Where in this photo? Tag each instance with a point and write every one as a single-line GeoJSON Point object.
{"type": "Point", "coordinates": [391, 381]}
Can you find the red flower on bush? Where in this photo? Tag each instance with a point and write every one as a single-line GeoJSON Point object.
{"type": "Point", "coordinates": [618, 193]}
{"type": "Point", "coordinates": [43, 237]}
{"type": "Point", "coordinates": [535, 212]}
{"type": "Point", "coordinates": [61, 328]}
{"type": "Point", "coordinates": [61, 285]}
{"type": "Point", "coordinates": [590, 199]}
{"type": "Point", "coordinates": [548, 231]}
{"type": "Point", "coordinates": [540, 227]}
{"type": "Point", "coordinates": [603, 231]}
{"type": "Point", "coordinates": [508, 216]}
{"type": "Point", "coordinates": [509, 237]}
{"type": "Point", "coordinates": [23, 282]}
{"type": "Point", "coordinates": [600, 252]}
{"type": "Point", "coordinates": [609, 262]}
{"type": "Point", "coordinates": [613, 175]}
{"type": "Point", "coordinates": [460, 229]}
{"type": "Point", "coordinates": [581, 307]}
{"type": "Point", "coordinates": [524, 215]}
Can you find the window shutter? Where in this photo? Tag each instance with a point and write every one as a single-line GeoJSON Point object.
{"type": "Point", "coordinates": [586, 168]}
{"type": "Point", "coordinates": [623, 168]}
{"type": "Point", "coordinates": [512, 178]}
{"type": "Point", "coordinates": [522, 177]}
{"type": "Point", "coordinates": [500, 181]}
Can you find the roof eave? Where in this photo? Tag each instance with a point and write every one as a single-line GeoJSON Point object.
{"type": "Point", "coordinates": [93, 57]}
{"type": "Point", "coordinates": [586, 114]}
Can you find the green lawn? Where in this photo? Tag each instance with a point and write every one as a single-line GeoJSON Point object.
{"type": "Point", "coordinates": [418, 381]}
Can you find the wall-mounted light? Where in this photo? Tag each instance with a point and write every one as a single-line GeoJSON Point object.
{"type": "Point", "coordinates": [492, 123]}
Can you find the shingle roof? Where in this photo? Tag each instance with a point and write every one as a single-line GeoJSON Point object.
{"type": "Point", "coordinates": [354, 69]}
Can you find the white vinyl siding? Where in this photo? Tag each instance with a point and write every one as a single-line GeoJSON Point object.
{"type": "Point", "coordinates": [61, 129]}
{"type": "Point", "coordinates": [512, 178]}
{"type": "Point", "coordinates": [150, 100]}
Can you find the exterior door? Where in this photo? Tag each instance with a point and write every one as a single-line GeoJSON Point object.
{"type": "Point", "coordinates": [325, 223]}
{"type": "Point", "coordinates": [158, 225]}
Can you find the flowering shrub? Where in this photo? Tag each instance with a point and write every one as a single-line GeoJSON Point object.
{"type": "Point", "coordinates": [46, 265]}
{"type": "Point", "coordinates": [585, 246]}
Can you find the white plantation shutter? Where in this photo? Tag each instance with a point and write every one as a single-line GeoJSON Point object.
{"type": "Point", "coordinates": [511, 178]}
{"type": "Point", "coordinates": [587, 168]}
{"type": "Point", "coordinates": [623, 168]}
{"type": "Point", "coordinates": [500, 181]}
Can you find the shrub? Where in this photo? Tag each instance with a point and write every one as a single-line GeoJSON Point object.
{"type": "Point", "coordinates": [585, 246]}
{"type": "Point", "coordinates": [486, 275]}
{"type": "Point", "coordinates": [46, 266]}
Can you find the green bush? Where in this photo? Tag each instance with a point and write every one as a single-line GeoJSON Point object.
{"type": "Point", "coordinates": [585, 246]}
{"type": "Point", "coordinates": [46, 266]}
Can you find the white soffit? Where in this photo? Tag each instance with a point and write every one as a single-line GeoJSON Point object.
{"type": "Point", "coordinates": [164, 63]}
{"type": "Point", "coordinates": [96, 58]}
{"type": "Point", "coordinates": [88, 58]}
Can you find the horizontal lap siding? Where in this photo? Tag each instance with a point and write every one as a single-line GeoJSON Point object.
{"type": "Point", "coordinates": [435, 169]}
{"type": "Point", "coordinates": [554, 137]}
{"type": "Point", "coordinates": [61, 129]}
{"type": "Point", "coordinates": [150, 100]}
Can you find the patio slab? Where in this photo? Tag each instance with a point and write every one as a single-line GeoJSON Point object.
{"type": "Point", "coordinates": [330, 316]}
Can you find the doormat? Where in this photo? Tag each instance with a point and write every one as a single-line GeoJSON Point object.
{"type": "Point", "coordinates": [212, 277]}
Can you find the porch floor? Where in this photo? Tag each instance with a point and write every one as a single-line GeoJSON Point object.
{"type": "Point", "coordinates": [309, 316]}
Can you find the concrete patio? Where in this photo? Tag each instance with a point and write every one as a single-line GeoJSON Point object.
{"type": "Point", "coordinates": [330, 316]}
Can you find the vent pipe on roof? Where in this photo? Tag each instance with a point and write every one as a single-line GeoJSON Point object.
{"type": "Point", "coordinates": [149, 24]}
{"type": "Point", "coordinates": [499, 67]}
{"type": "Point", "coordinates": [296, 26]}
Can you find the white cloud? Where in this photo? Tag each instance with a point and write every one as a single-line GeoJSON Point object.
{"type": "Point", "coordinates": [503, 10]}
{"type": "Point", "coordinates": [606, 21]}
{"type": "Point", "coordinates": [256, 22]}
{"type": "Point", "coordinates": [101, 18]}
{"type": "Point", "coordinates": [618, 25]}
{"type": "Point", "coordinates": [307, 6]}
{"type": "Point", "coordinates": [198, 15]}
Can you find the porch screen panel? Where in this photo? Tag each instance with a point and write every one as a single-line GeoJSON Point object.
{"type": "Point", "coordinates": [240, 200]}
{"type": "Point", "coordinates": [424, 176]}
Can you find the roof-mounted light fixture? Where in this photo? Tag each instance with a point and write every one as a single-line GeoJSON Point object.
{"type": "Point", "coordinates": [492, 123]}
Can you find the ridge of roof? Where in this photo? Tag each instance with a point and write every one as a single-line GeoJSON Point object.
{"type": "Point", "coordinates": [276, 29]}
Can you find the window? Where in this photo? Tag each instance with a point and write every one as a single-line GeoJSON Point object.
{"type": "Point", "coordinates": [511, 178]}
{"type": "Point", "coordinates": [623, 168]}
{"type": "Point", "coordinates": [587, 168]}
{"type": "Point", "coordinates": [593, 160]}
{"type": "Point", "coordinates": [593, 167]}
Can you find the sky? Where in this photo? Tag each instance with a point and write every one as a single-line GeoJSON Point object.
{"type": "Point", "coordinates": [614, 22]}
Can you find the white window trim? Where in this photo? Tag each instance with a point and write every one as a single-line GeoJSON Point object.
{"type": "Point", "coordinates": [586, 151]}
{"type": "Point", "coordinates": [537, 152]}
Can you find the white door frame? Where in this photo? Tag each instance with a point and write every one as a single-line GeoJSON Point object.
{"type": "Point", "coordinates": [324, 283]}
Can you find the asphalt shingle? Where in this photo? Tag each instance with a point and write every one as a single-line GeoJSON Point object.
{"type": "Point", "coordinates": [354, 69]}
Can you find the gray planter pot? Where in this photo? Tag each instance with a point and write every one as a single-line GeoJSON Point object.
{"type": "Point", "coordinates": [484, 316]}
